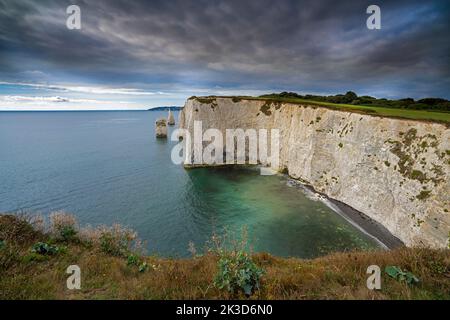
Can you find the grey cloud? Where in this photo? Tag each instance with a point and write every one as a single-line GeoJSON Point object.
{"type": "Point", "coordinates": [258, 44]}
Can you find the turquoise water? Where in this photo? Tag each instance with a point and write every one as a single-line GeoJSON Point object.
{"type": "Point", "coordinates": [107, 167]}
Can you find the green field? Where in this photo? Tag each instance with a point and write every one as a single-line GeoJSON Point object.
{"type": "Point", "coordinates": [434, 116]}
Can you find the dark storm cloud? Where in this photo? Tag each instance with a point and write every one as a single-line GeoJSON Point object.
{"type": "Point", "coordinates": [321, 46]}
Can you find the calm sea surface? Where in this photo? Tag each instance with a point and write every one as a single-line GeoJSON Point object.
{"type": "Point", "coordinates": [108, 167]}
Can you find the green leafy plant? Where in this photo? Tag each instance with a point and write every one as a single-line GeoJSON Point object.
{"type": "Point", "coordinates": [63, 226]}
{"type": "Point", "coordinates": [2, 244]}
{"type": "Point", "coordinates": [400, 275]}
{"type": "Point", "coordinates": [237, 271]}
{"type": "Point", "coordinates": [143, 267]}
{"type": "Point", "coordinates": [132, 260]}
{"type": "Point", "coordinates": [45, 249]}
{"type": "Point", "coordinates": [68, 233]}
{"type": "Point", "coordinates": [136, 261]}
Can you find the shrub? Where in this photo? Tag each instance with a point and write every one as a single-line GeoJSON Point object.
{"type": "Point", "coordinates": [18, 229]}
{"type": "Point", "coordinates": [68, 233]}
{"type": "Point", "coordinates": [136, 261]}
{"type": "Point", "coordinates": [435, 104]}
{"type": "Point", "coordinates": [44, 249]}
{"type": "Point", "coordinates": [133, 260]}
{"type": "Point", "coordinates": [236, 269]}
{"type": "Point", "coordinates": [89, 235]}
{"type": "Point", "coordinates": [63, 226]}
{"type": "Point", "coordinates": [143, 267]}
{"type": "Point", "coordinates": [9, 255]}
{"type": "Point", "coordinates": [117, 240]}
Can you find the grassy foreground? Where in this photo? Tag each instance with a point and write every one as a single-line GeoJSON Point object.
{"type": "Point", "coordinates": [28, 271]}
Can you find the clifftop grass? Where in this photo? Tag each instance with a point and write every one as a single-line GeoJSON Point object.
{"type": "Point", "coordinates": [421, 115]}
{"type": "Point", "coordinates": [108, 274]}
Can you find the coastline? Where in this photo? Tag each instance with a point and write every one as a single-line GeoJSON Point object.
{"type": "Point", "coordinates": [358, 219]}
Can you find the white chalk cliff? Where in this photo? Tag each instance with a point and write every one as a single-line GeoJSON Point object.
{"type": "Point", "coordinates": [395, 171]}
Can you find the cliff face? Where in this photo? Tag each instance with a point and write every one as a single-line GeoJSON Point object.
{"type": "Point", "coordinates": [394, 171]}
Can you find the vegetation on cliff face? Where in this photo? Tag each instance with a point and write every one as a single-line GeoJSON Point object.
{"type": "Point", "coordinates": [113, 266]}
{"type": "Point", "coordinates": [412, 151]}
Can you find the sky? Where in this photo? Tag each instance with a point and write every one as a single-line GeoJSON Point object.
{"type": "Point", "coordinates": [143, 54]}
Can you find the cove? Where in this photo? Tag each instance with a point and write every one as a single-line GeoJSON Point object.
{"type": "Point", "coordinates": [107, 167]}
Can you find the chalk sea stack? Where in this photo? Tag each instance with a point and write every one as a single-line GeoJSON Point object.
{"type": "Point", "coordinates": [170, 119]}
{"type": "Point", "coordinates": [161, 128]}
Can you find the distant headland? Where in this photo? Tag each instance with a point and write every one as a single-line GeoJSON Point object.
{"type": "Point", "coordinates": [166, 108]}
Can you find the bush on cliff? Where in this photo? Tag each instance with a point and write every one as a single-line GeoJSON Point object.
{"type": "Point", "coordinates": [236, 269]}
{"type": "Point", "coordinates": [432, 104]}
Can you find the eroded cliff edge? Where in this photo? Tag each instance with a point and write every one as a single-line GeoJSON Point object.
{"type": "Point", "coordinates": [393, 170]}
